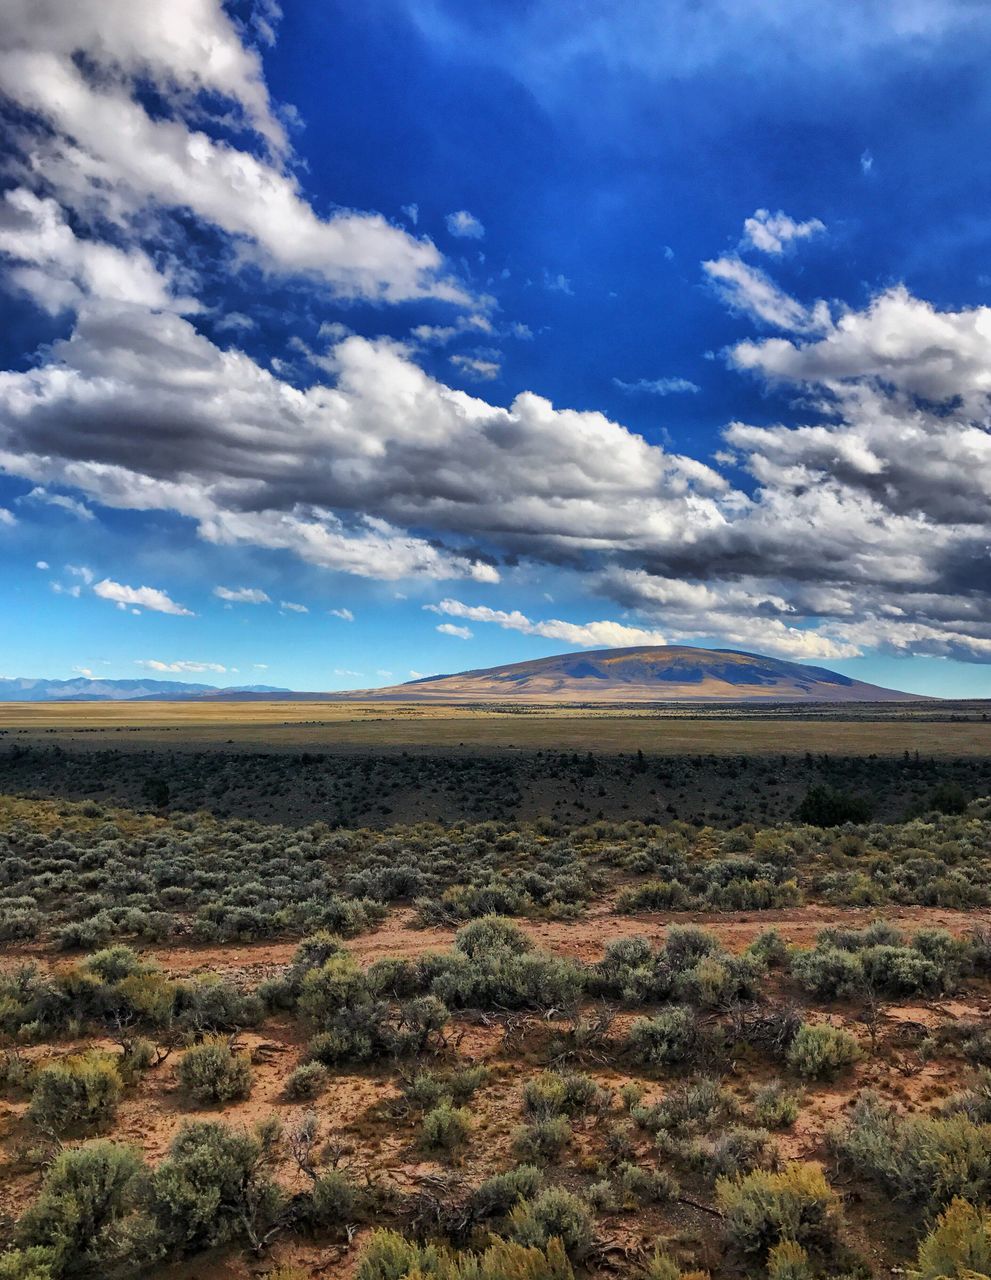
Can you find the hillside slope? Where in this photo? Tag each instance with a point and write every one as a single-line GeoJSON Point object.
{"type": "Point", "coordinates": [649, 674]}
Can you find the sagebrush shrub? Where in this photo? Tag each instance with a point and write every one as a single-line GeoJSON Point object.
{"type": "Point", "coordinates": [820, 1051]}
{"type": "Point", "coordinates": [86, 1192]}
{"type": "Point", "coordinates": [334, 1198]}
{"type": "Point", "coordinates": [213, 1186]}
{"type": "Point", "coordinates": [775, 1105]}
{"type": "Point", "coordinates": [306, 1082]}
{"type": "Point", "coordinates": [445, 1128]}
{"type": "Point", "coordinates": [542, 1140]}
{"type": "Point", "coordinates": [959, 1245]}
{"type": "Point", "coordinates": [667, 1040]}
{"type": "Point", "coordinates": [78, 1092]}
{"type": "Point", "coordinates": [212, 1072]}
{"type": "Point", "coordinates": [923, 1159]}
{"type": "Point", "coordinates": [762, 1208]}
{"type": "Point", "coordinates": [553, 1213]}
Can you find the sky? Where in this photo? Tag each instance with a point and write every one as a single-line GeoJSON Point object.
{"type": "Point", "coordinates": [344, 344]}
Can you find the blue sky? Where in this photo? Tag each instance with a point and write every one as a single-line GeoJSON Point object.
{"type": "Point", "coordinates": [354, 342]}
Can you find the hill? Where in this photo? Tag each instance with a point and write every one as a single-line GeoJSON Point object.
{"type": "Point", "coordinates": [83, 689]}
{"type": "Point", "coordinates": [661, 673]}
{"type": "Point", "coordinates": [668, 673]}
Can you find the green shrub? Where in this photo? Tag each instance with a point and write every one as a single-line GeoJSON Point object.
{"type": "Point", "coordinates": [762, 1209]}
{"type": "Point", "coordinates": [927, 1160]}
{"type": "Point", "coordinates": [488, 934]}
{"type": "Point", "coordinates": [390, 1256]}
{"type": "Point", "coordinates": [789, 1261]}
{"type": "Point", "coordinates": [306, 1082]}
{"type": "Point", "coordinates": [825, 807]}
{"type": "Point", "coordinates": [544, 1139]}
{"type": "Point", "coordinates": [334, 1198]}
{"type": "Point", "coordinates": [78, 1092]}
{"type": "Point", "coordinates": [637, 1186]}
{"type": "Point", "coordinates": [214, 1186]}
{"type": "Point", "coordinates": [775, 1105]}
{"type": "Point", "coordinates": [553, 1213]}
{"type": "Point", "coordinates": [561, 1093]}
{"type": "Point", "coordinates": [828, 973]}
{"type": "Point", "coordinates": [669, 1039]}
{"type": "Point", "coordinates": [689, 1108]}
{"type": "Point", "coordinates": [446, 1128]}
{"type": "Point", "coordinates": [820, 1051]}
{"type": "Point", "coordinates": [27, 1264]}
{"type": "Point", "coordinates": [959, 1245]}
{"type": "Point", "coordinates": [212, 1072]}
{"type": "Point", "coordinates": [497, 1195]}
{"type": "Point", "coordinates": [86, 1192]}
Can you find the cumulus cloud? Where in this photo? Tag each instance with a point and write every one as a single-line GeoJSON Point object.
{"type": "Point", "coordinates": [150, 598]}
{"type": "Point", "coordinates": [465, 225]}
{"type": "Point", "coordinates": [774, 232]}
{"type": "Point", "coordinates": [8, 520]}
{"type": "Point", "coordinates": [77, 76]}
{"type": "Point", "coordinates": [182, 667]}
{"type": "Point", "coordinates": [292, 607]}
{"type": "Point", "coordinates": [603, 635]}
{"type": "Point", "coordinates": [345, 615]}
{"type": "Point", "coordinates": [242, 595]}
{"type": "Point", "coordinates": [139, 410]}
{"type": "Point", "coordinates": [59, 269]}
{"type": "Point", "coordinates": [452, 629]}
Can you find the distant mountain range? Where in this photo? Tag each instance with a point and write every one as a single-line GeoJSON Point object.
{"type": "Point", "coordinates": [81, 689]}
{"type": "Point", "coordinates": [663, 673]}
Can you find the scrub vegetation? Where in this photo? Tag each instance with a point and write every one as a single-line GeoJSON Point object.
{"type": "Point", "coordinates": [501, 1049]}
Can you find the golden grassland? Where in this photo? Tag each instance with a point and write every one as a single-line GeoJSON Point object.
{"type": "Point", "coordinates": [342, 726]}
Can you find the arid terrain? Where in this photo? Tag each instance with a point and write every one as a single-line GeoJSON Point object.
{"type": "Point", "coordinates": [382, 1008]}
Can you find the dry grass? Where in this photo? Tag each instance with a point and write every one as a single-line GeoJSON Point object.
{"type": "Point", "coordinates": [343, 726]}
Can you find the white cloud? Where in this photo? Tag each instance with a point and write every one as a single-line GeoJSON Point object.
{"type": "Point", "coordinates": [74, 591]}
{"type": "Point", "coordinates": [586, 635]}
{"type": "Point", "coordinates": [40, 564]}
{"type": "Point", "coordinates": [293, 608]}
{"type": "Point", "coordinates": [142, 597]}
{"type": "Point", "coordinates": [485, 370]}
{"type": "Point", "coordinates": [774, 232]}
{"type": "Point", "coordinates": [344, 614]}
{"type": "Point", "coordinates": [84, 671]}
{"type": "Point", "coordinates": [748, 290]}
{"type": "Point", "coordinates": [81, 571]}
{"type": "Point", "coordinates": [242, 595]}
{"type": "Point", "coordinates": [657, 386]}
{"type": "Point", "coordinates": [182, 667]}
{"type": "Point", "coordinates": [8, 520]}
{"type": "Point", "coordinates": [234, 321]}
{"type": "Point", "coordinates": [72, 505]}
{"type": "Point", "coordinates": [451, 629]}
{"type": "Point", "coordinates": [104, 154]}
{"type": "Point", "coordinates": [59, 269]}
{"type": "Point", "coordinates": [343, 671]}
{"type": "Point", "coordinates": [465, 225]}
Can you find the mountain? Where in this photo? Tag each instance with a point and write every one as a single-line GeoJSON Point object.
{"type": "Point", "coordinates": [667, 673]}
{"type": "Point", "coordinates": [664, 673]}
{"type": "Point", "coordinates": [82, 689]}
